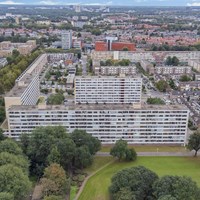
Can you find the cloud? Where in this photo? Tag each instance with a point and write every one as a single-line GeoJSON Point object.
{"type": "Point", "coordinates": [193, 4]}
{"type": "Point", "coordinates": [10, 3]}
{"type": "Point", "coordinates": [48, 2]}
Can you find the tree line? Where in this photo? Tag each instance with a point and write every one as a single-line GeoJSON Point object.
{"type": "Point", "coordinates": [17, 64]}
{"type": "Point", "coordinates": [49, 154]}
{"type": "Point", "coordinates": [140, 183]}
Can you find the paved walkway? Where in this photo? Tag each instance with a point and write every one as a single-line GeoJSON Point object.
{"type": "Point", "coordinates": [153, 153]}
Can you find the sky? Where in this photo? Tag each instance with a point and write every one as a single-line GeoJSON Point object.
{"type": "Point", "coordinates": [106, 2]}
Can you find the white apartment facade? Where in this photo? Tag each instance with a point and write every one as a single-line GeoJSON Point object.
{"type": "Point", "coordinates": [109, 123]}
{"type": "Point", "coordinates": [108, 89]}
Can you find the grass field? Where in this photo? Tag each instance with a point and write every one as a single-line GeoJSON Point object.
{"type": "Point", "coordinates": [97, 186]}
{"type": "Point", "coordinates": [98, 162]}
{"type": "Point", "coordinates": [149, 148]}
{"type": "Point", "coordinates": [73, 192]}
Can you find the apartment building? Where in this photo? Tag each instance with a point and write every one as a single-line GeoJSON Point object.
{"type": "Point", "coordinates": [166, 70]}
{"type": "Point", "coordinates": [66, 39]}
{"type": "Point", "coordinates": [108, 90]}
{"type": "Point", "coordinates": [109, 123]}
{"type": "Point", "coordinates": [115, 70]}
{"type": "Point", "coordinates": [7, 47]}
{"type": "Point", "coordinates": [27, 86]}
{"type": "Point", "coordinates": [56, 57]}
{"type": "Point", "coordinates": [195, 64]}
{"type": "Point", "coordinates": [151, 56]}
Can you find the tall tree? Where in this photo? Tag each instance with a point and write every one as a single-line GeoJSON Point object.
{"type": "Point", "coordinates": [81, 137]}
{"type": "Point", "coordinates": [180, 188]}
{"type": "Point", "coordinates": [16, 160]}
{"type": "Point", "coordinates": [10, 146]}
{"type": "Point", "coordinates": [54, 181]}
{"type": "Point", "coordinates": [194, 142]}
{"type": "Point", "coordinates": [138, 181]}
{"type": "Point", "coordinates": [119, 149]}
{"type": "Point", "coordinates": [14, 181]}
{"type": "Point", "coordinates": [6, 196]}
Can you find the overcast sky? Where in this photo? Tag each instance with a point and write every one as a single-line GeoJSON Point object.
{"type": "Point", "coordinates": [108, 2]}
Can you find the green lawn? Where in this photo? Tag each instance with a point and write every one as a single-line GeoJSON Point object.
{"type": "Point", "coordinates": [73, 192]}
{"type": "Point", "coordinates": [98, 162]}
{"type": "Point", "coordinates": [149, 148]}
{"type": "Point", "coordinates": [97, 186]}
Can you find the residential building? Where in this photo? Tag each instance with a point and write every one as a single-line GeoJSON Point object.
{"type": "Point", "coordinates": [66, 39]}
{"type": "Point", "coordinates": [27, 87]}
{"type": "Point", "coordinates": [114, 70]}
{"type": "Point", "coordinates": [109, 123]}
{"type": "Point", "coordinates": [166, 70]}
{"type": "Point", "coordinates": [109, 45]}
{"type": "Point", "coordinates": [108, 89]}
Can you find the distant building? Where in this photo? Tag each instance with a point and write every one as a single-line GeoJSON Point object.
{"type": "Point", "coordinates": [165, 70]}
{"type": "Point", "coordinates": [120, 46]}
{"type": "Point", "coordinates": [66, 39]}
{"type": "Point", "coordinates": [115, 70]}
{"type": "Point", "coordinates": [101, 46]}
{"type": "Point", "coordinates": [77, 8]}
{"type": "Point", "coordinates": [109, 45]}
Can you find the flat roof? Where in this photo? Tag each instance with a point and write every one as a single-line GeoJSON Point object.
{"type": "Point", "coordinates": [99, 107]}
{"type": "Point", "coordinates": [17, 90]}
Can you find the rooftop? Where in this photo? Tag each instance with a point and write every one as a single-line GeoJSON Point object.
{"type": "Point", "coordinates": [99, 107]}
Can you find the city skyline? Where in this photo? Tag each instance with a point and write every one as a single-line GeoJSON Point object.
{"type": "Point", "coordinates": [111, 2]}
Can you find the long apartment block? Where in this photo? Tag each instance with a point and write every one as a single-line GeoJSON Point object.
{"type": "Point", "coordinates": [109, 123]}
{"type": "Point", "coordinates": [95, 89]}
{"type": "Point", "coordinates": [27, 86]}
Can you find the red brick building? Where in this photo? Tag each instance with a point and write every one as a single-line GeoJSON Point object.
{"type": "Point", "coordinates": [115, 46]}
{"type": "Point", "coordinates": [101, 46]}
{"type": "Point", "coordinates": [120, 46]}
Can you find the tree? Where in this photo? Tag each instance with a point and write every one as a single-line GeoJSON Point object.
{"type": "Point", "coordinates": [14, 181]}
{"type": "Point", "coordinates": [185, 78]}
{"type": "Point", "coordinates": [131, 154]}
{"type": "Point", "coordinates": [119, 149]}
{"type": "Point", "coordinates": [175, 61]}
{"type": "Point", "coordinates": [167, 197]}
{"type": "Point", "coordinates": [162, 85]}
{"type": "Point", "coordinates": [125, 49]}
{"type": "Point", "coordinates": [42, 140]}
{"type": "Point", "coordinates": [55, 99]}
{"type": "Point", "coordinates": [10, 146]}
{"type": "Point", "coordinates": [180, 188]}
{"type": "Point", "coordinates": [138, 181]}
{"type": "Point", "coordinates": [24, 142]}
{"type": "Point", "coordinates": [54, 180]}
{"type": "Point", "coordinates": [194, 142]}
{"type": "Point", "coordinates": [6, 196]}
{"type": "Point", "coordinates": [79, 35]}
{"type": "Point", "coordinates": [82, 157]}
{"type": "Point", "coordinates": [2, 137]}
{"type": "Point", "coordinates": [124, 194]}
{"type": "Point", "coordinates": [16, 160]}
{"type": "Point", "coordinates": [155, 100]}
{"type": "Point", "coordinates": [81, 137]}
{"type": "Point", "coordinates": [54, 156]}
